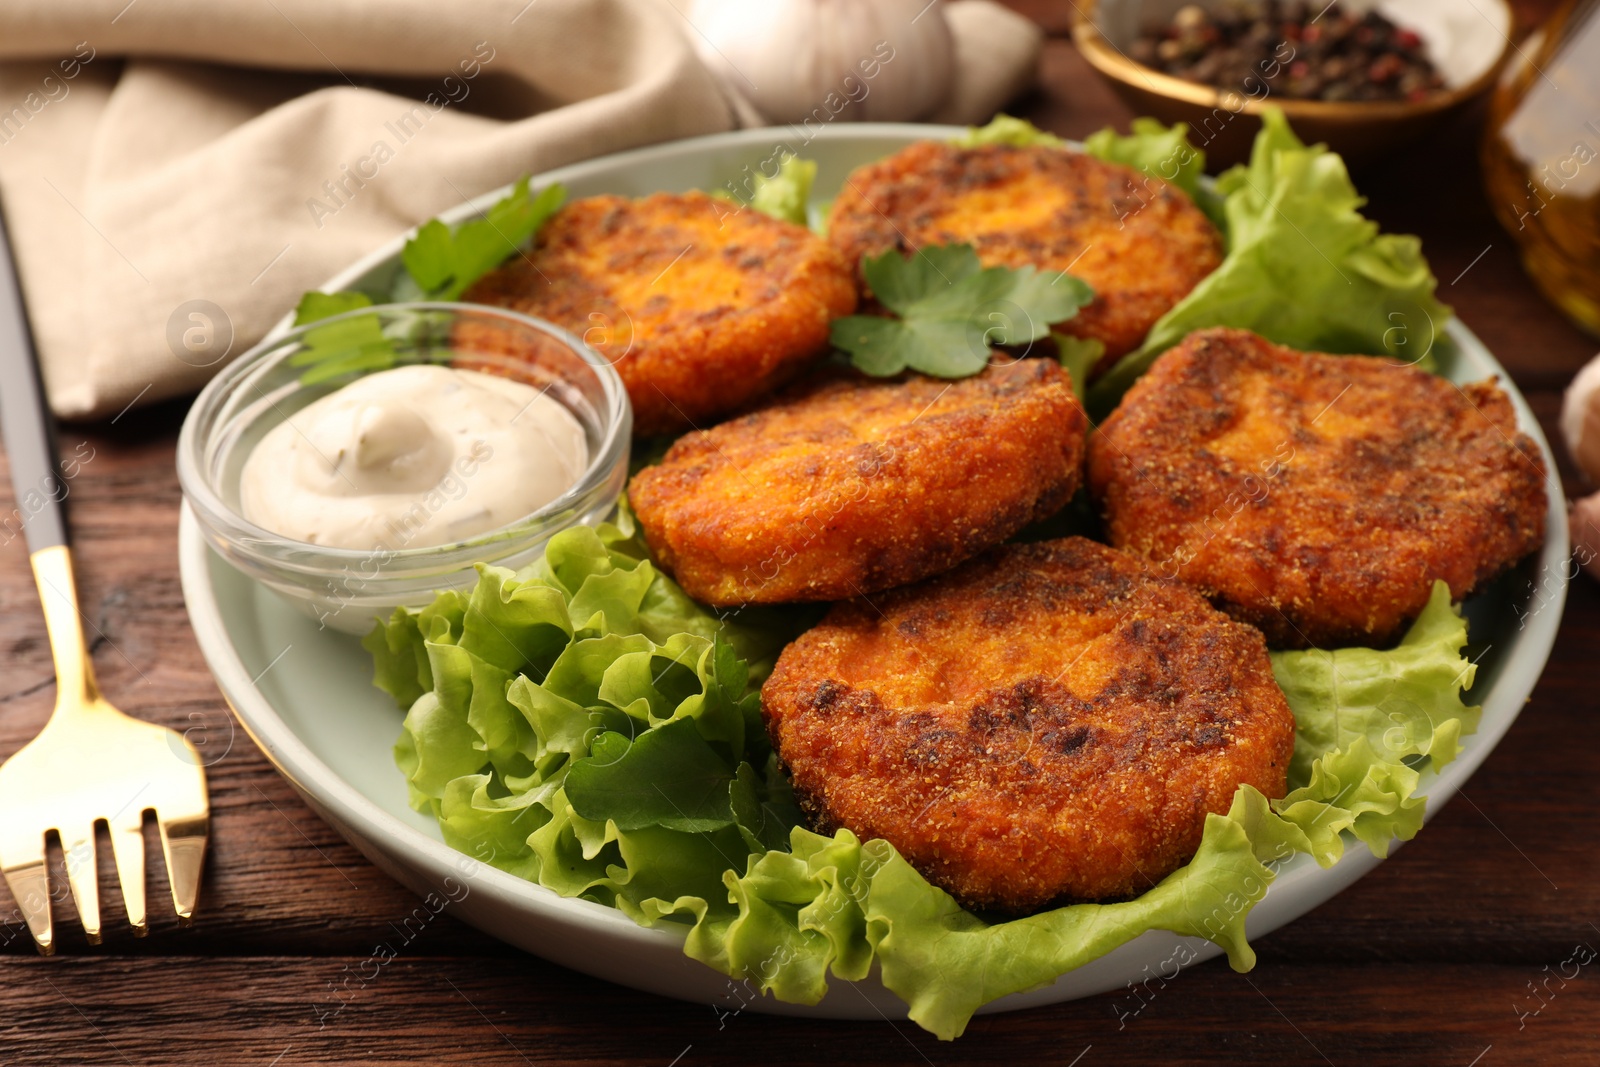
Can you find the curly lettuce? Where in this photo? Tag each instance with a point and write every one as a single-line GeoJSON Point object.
{"type": "Point", "coordinates": [1161, 152]}
{"type": "Point", "coordinates": [1367, 723]}
{"type": "Point", "coordinates": [1007, 129]}
{"type": "Point", "coordinates": [585, 725]}
{"type": "Point", "coordinates": [784, 194]}
{"type": "Point", "coordinates": [1304, 268]}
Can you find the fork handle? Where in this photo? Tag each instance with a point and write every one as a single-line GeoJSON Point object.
{"type": "Point", "coordinates": [58, 593]}
{"type": "Point", "coordinates": [29, 434]}
{"type": "Point", "coordinates": [25, 421]}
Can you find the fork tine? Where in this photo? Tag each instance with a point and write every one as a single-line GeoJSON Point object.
{"type": "Point", "coordinates": [127, 848]}
{"type": "Point", "coordinates": [77, 847]}
{"type": "Point", "coordinates": [183, 843]}
{"type": "Point", "coordinates": [30, 885]}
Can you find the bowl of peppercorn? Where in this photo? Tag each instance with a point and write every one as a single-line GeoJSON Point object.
{"type": "Point", "coordinates": [1364, 76]}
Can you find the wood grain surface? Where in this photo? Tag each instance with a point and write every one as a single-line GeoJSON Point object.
{"type": "Point", "coordinates": [1441, 956]}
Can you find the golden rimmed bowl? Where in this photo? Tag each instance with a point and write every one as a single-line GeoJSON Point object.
{"type": "Point", "coordinates": [1467, 40]}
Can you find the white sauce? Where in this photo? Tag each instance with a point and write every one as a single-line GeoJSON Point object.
{"type": "Point", "coordinates": [411, 457]}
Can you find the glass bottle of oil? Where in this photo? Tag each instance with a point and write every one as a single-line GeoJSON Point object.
{"type": "Point", "coordinates": [1541, 158]}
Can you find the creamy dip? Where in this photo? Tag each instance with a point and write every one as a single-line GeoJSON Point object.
{"type": "Point", "coordinates": [411, 457]}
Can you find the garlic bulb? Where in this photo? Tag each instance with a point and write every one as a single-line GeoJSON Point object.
{"type": "Point", "coordinates": [811, 62]}
{"type": "Point", "coordinates": [1584, 525]}
{"type": "Point", "coordinates": [1580, 420]}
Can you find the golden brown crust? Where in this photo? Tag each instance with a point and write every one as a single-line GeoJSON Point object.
{"type": "Point", "coordinates": [1046, 723]}
{"type": "Point", "coordinates": [847, 485]}
{"type": "Point", "coordinates": [700, 306]}
{"type": "Point", "coordinates": [1139, 242]}
{"type": "Point", "coordinates": [1317, 497]}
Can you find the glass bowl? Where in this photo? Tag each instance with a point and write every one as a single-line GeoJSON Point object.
{"type": "Point", "coordinates": [347, 588]}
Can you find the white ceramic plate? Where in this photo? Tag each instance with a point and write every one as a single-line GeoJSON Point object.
{"type": "Point", "coordinates": [305, 695]}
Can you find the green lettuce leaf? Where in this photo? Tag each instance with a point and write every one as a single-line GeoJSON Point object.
{"type": "Point", "coordinates": [784, 195]}
{"type": "Point", "coordinates": [584, 725]}
{"type": "Point", "coordinates": [1365, 718]}
{"type": "Point", "coordinates": [1007, 129]}
{"type": "Point", "coordinates": [1162, 152]}
{"type": "Point", "coordinates": [669, 777]}
{"type": "Point", "coordinates": [1077, 356]}
{"type": "Point", "coordinates": [1304, 268]}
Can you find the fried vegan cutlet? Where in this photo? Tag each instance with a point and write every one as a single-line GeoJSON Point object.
{"type": "Point", "coordinates": [846, 485]}
{"type": "Point", "coordinates": [701, 307]}
{"type": "Point", "coordinates": [1139, 242]}
{"type": "Point", "coordinates": [1316, 497]}
{"type": "Point", "coordinates": [1047, 723]}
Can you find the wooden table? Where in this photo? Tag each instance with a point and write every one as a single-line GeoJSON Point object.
{"type": "Point", "coordinates": [1428, 960]}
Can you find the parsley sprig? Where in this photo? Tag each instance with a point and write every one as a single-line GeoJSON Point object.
{"type": "Point", "coordinates": [352, 344]}
{"type": "Point", "coordinates": [445, 260]}
{"type": "Point", "coordinates": [950, 311]}
{"type": "Point", "coordinates": [441, 262]}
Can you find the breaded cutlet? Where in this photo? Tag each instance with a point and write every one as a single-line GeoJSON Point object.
{"type": "Point", "coordinates": [701, 307]}
{"type": "Point", "coordinates": [1316, 497]}
{"type": "Point", "coordinates": [1046, 723]}
{"type": "Point", "coordinates": [845, 485]}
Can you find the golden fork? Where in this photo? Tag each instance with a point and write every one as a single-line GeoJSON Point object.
{"type": "Point", "coordinates": [91, 763]}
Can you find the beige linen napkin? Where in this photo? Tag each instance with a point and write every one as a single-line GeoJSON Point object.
{"type": "Point", "coordinates": [176, 172]}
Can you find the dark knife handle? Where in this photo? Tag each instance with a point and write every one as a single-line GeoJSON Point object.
{"type": "Point", "coordinates": [25, 421]}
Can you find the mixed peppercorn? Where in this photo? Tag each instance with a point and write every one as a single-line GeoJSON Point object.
{"type": "Point", "coordinates": [1291, 49]}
